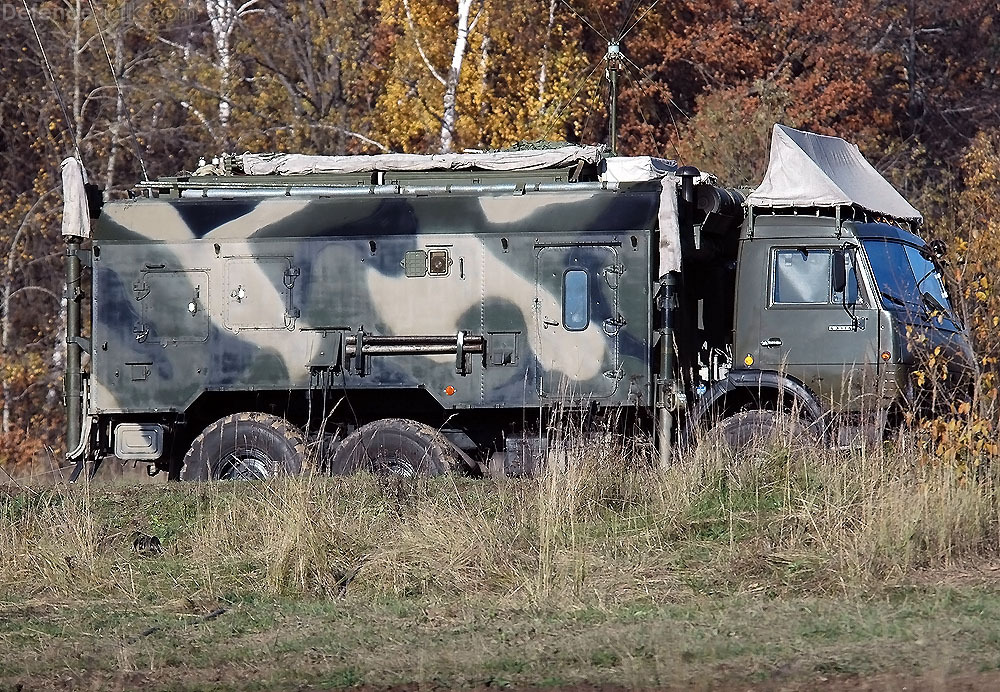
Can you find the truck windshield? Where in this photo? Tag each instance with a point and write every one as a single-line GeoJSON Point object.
{"type": "Point", "coordinates": [906, 277]}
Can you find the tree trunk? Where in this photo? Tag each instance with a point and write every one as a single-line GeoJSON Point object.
{"type": "Point", "coordinates": [77, 74]}
{"type": "Point", "coordinates": [119, 122]}
{"type": "Point", "coordinates": [449, 111]}
{"type": "Point", "coordinates": [221, 16]}
{"type": "Point", "coordinates": [543, 70]}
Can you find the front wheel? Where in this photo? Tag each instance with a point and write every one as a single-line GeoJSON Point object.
{"type": "Point", "coordinates": [746, 429]}
{"type": "Point", "coordinates": [245, 446]}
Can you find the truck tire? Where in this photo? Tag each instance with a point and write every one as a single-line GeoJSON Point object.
{"type": "Point", "coordinates": [760, 426]}
{"type": "Point", "coordinates": [394, 446]}
{"type": "Point", "coordinates": [245, 446]}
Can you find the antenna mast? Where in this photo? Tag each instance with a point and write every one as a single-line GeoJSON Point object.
{"type": "Point", "coordinates": [614, 65]}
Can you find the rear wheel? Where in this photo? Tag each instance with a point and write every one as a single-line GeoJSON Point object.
{"type": "Point", "coordinates": [395, 447]}
{"type": "Point", "coordinates": [245, 446]}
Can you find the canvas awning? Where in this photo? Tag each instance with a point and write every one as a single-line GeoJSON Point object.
{"type": "Point", "coordinates": [810, 170]}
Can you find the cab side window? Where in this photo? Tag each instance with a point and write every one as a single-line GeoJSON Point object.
{"type": "Point", "coordinates": [803, 276]}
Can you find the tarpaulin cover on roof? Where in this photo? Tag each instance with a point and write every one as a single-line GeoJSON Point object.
{"type": "Point", "coordinates": [527, 160]}
{"type": "Point", "coordinates": [810, 170]}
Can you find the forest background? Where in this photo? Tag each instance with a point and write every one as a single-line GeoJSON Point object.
{"type": "Point", "coordinates": [915, 84]}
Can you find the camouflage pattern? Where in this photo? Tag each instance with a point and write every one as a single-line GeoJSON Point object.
{"type": "Point", "coordinates": [273, 293]}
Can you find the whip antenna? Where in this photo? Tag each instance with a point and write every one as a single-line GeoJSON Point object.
{"type": "Point", "coordinates": [121, 94]}
{"type": "Point", "coordinates": [50, 74]}
{"type": "Point", "coordinates": [618, 64]}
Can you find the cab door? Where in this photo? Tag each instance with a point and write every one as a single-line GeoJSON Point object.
{"type": "Point", "coordinates": [827, 339]}
{"type": "Point", "coordinates": [577, 323]}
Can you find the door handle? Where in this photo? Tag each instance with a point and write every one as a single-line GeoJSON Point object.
{"type": "Point", "coordinates": [773, 342]}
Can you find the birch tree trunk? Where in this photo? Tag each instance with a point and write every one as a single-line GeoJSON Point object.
{"type": "Point", "coordinates": [449, 111]}
{"type": "Point", "coordinates": [222, 17]}
{"type": "Point", "coordinates": [543, 70]}
{"type": "Point", "coordinates": [7, 292]}
{"type": "Point", "coordinates": [78, 49]}
{"type": "Point", "coordinates": [119, 122]}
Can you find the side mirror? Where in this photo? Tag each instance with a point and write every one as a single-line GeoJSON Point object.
{"type": "Point", "coordinates": [839, 271]}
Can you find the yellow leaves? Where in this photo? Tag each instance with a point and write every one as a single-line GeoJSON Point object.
{"type": "Point", "coordinates": [962, 441]}
{"type": "Point", "coordinates": [502, 97]}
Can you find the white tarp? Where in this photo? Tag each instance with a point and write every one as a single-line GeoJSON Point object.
{"type": "Point", "coordinates": [527, 160]}
{"type": "Point", "coordinates": [810, 170]}
{"type": "Point", "coordinates": [670, 227]}
{"type": "Point", "coordinates": [76, 213]}
{"type": "Point", "coordinates": [640, 169]}
{"type": "Point", "coordinates": [635, 169]}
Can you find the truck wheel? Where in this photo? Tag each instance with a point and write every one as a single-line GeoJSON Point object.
{"type": "Point", "coordinates": [741, 430]}
{"type": "Point", "coordinates": [245, 446]}
{"type": "Point", "coordinates": [394, 446]}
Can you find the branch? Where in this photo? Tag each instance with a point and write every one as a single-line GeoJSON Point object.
{"type": "Point", "coordinates": [24, 223]}
{"type": "Point", "coordinates": [42, 289]}
{"type": "Point", "coordinates": [472, 27]}
{"type": "Point", "coordinates": [356, 135]}
{"type": "Point", "coordinates": [201, 117]}
{"type": "Point", "coordinates": [420, 48]}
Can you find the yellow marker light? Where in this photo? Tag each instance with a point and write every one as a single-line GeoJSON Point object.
{"type": "Point", "coordinates": [886, 356]}
{"type": "Point", "coordinates": [449, 390]}
{"type": "Point", "coordinates": [748, 361]}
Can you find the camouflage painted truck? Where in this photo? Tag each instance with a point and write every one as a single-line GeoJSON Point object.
{"type": "Point", "coordinates": [416, 314]}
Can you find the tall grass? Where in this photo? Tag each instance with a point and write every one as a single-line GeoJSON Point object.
{"type": "Point", "coordinates": [602, 526]}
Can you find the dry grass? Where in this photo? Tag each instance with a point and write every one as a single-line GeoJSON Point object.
{"type": "Point", "coordinates": [602, 527]}
{"type": "Point", "coordinates": [781, 564]}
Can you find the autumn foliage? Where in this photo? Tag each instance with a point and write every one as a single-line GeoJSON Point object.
{"type": "Point", "coordinates": [916, 85]}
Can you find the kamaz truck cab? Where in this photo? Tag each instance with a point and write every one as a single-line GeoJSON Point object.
{"type": "Point", "coordinates": [415, 314]}
{"type": "Point", "coordinates": [836, 301]}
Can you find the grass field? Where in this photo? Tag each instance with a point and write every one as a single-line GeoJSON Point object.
{"type": "Point", "coordinates": [783, 569]}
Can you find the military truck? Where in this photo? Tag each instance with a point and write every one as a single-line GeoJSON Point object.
{"type": "Point", "coordinates": [420, 314]}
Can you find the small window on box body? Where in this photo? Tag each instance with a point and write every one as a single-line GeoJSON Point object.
{"type": "Point", "coordinates": [576, 300]}
{"type": "Point", "coordinates": [439, 263]}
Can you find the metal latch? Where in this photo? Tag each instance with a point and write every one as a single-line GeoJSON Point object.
{"type": "Point", "coordinates": [141, 289]}
{"type": "Point", "coordinates": [613, 325]}
{"type": "Point", "coordinates": [612, 275]}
